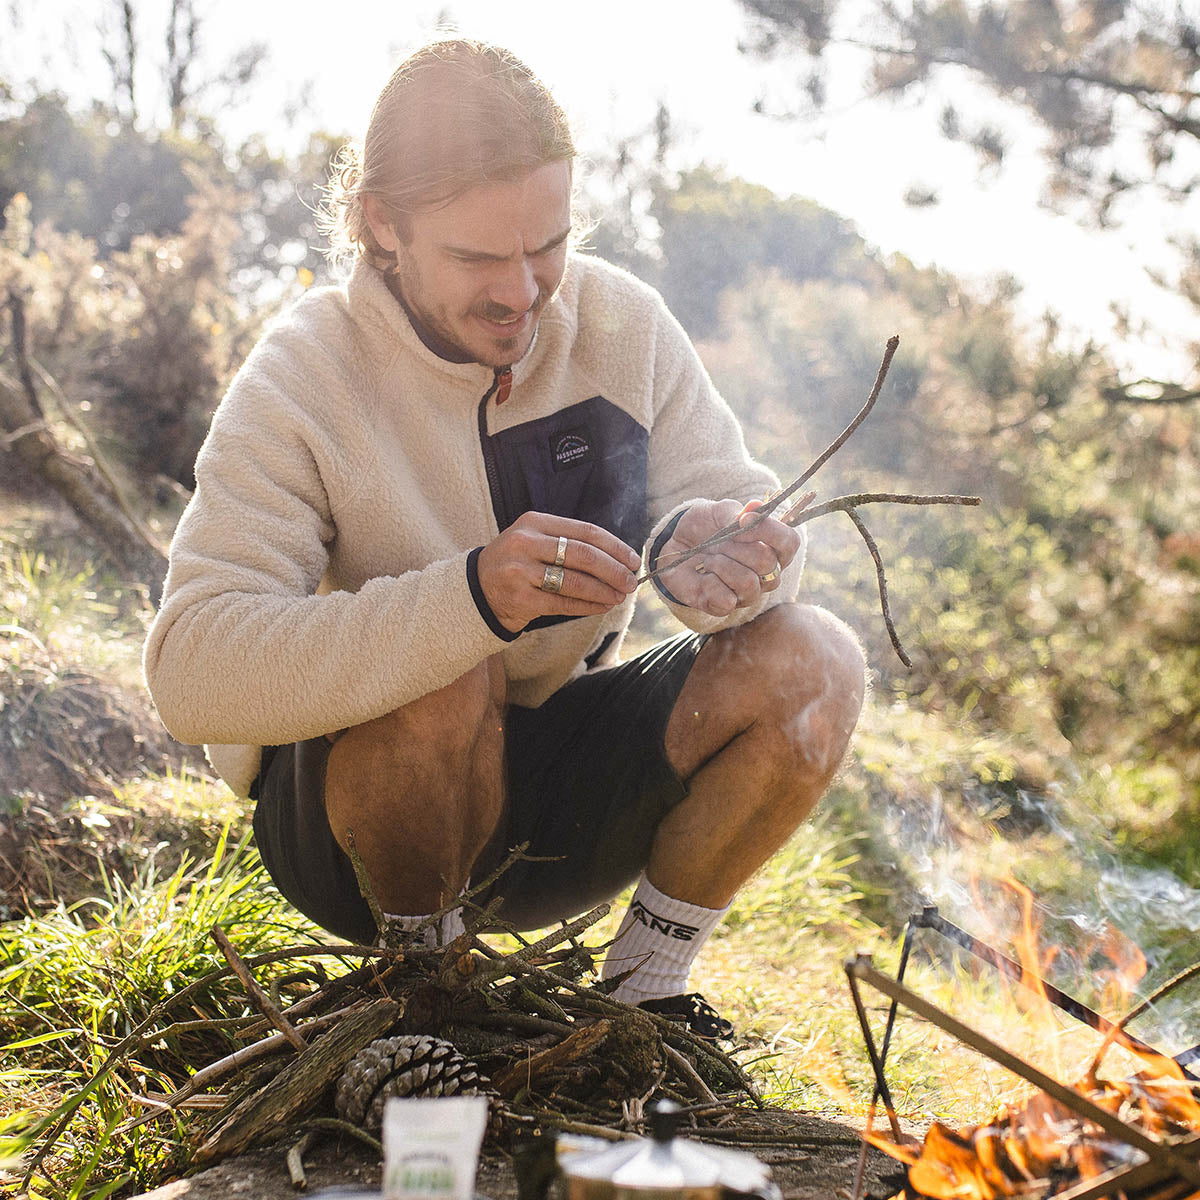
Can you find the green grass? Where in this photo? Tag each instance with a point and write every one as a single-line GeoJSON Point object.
{"type": "Point", "coordinates": [68, 608]}
{"type": "Point", "coordinates": [77, 981]}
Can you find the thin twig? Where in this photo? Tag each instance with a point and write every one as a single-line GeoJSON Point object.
{"type": "Point", "coordinates": [295, 1160]}
{"type": "Point", "coordinates": [882, 578]}
{"type": "Point", "coordinates": [364, 884]}
{"type": "Point", "coordinates": [101, 463]}
{"type": "Point", "coordinates": [236, 1060]}
{"type": "Point", "coordinates": [777, 498]}
{"type": "Point", "coordinates": [856, 499]}
{"type": "Point", "coordinates": [261, 1000]}
{"type": "Point", "coordinates": [71, 1105]}
{"type": "Point", "coordinates": [1119, 1028]}
{"type": "Point", "coordinates": [698, 1087]}
{"type": "Point", "coordinates": [519, 958]}
{"type": "Point", "coordinates": [333, 1125]}
{"type": "Point", "coordinates": [889, 351]}
{"type": "Point", "coordinates": [464, 898]}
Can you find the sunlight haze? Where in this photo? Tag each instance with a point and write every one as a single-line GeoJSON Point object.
{"type": "Point", "coordinates": [610, 73]}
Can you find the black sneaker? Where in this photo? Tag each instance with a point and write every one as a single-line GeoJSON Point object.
{"type": "Point", "coordinates": [694, 1013]}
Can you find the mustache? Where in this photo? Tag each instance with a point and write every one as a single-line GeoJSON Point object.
{"type": "Point", "coordinates": [501, 312]}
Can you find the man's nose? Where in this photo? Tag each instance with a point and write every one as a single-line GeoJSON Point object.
{"type": "Point", "coordinates": [515, 286]}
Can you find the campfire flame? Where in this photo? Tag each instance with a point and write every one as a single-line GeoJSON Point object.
{"type": "Point", "coordinates": [1027, 1150]}
{"type": "Point", "coordinates": [1041, 1147]}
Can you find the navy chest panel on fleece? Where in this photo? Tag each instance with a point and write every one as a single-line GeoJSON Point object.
{"type": "Point", "coordinates": [587, 461]}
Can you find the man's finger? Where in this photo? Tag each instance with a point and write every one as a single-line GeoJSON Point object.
{"type": "Point", "coordinates": [724, 574]}
{"type": "Point", "coordinates": [586, 534]}
{"type": "Point", "coordinates": [782, 539]}
{"type": "Point", "coordinates": [756, 555]}
{"type": "Point", "coordinates": [574, 585]}
{"type": "Point", "coordinates": [587, 558]}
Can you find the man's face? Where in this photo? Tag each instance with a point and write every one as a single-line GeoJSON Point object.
{"type": "Point", "coordinates": [479, 270]}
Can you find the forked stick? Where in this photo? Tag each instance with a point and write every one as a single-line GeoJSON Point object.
{"type": "Point", "coordinates": [774, 501]}
{"type": "Point", "coordinates": [800, 512]}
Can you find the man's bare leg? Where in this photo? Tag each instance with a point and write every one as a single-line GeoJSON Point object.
{"type": "Point", "coordinates": [759, 729]}
{"type": "Point", "coordinates": [422, 788]}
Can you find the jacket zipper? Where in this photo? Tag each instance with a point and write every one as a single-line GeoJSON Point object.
{"type": "Point", "coordinates": [501, 387]}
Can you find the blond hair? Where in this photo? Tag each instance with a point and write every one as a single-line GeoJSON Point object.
{"type": "Point", "coordinates": [454, 114]}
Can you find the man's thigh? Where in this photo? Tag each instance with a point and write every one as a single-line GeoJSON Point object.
{"type": "Point", "coordinates": [297, 845]}
{"type": "Point", "coordinates": [589, 782]}
{"type": "Point", "coordinates": [587, 778]}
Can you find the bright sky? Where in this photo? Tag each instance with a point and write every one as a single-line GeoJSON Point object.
{"type": "Point", "coordinates": [611, 64]}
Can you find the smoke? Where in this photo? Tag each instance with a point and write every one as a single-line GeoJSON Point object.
{"type": "Point", "coordinates": [1098, 902]}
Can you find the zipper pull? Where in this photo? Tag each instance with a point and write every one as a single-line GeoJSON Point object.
{"type": "Point", "coordinates": [503, 384]}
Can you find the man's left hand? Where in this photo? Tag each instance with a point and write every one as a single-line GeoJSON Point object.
{"type": "Point", "coordinates": [735, 573]}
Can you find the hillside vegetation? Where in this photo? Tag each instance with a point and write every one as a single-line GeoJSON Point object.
{"type": "Point", "coordinates": [1048, 730]}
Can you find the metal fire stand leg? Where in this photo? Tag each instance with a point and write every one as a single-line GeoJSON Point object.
{"type": "Point", "coordinates": [1173, 1159]}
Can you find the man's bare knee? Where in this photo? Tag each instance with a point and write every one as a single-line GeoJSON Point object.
{"type": "Point", "coordinates": [796, 667]}
{"type": "Point", "coordinates": [422, 787]}
{"type": "Point", "coordinates": [816, 684]}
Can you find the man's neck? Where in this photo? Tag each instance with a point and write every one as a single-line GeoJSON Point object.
{"type": "Point", "coordinates": [431, 340]}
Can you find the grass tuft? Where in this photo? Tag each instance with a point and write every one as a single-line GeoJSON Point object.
{"type": "Point", "coordinates": [77, 980]}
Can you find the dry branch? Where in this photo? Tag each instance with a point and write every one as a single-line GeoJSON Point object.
{"type": "Point", "coordinates": [801, 512]}
{"type": "Point", "coordinates": [261, 1000]}
{"type": "Point", "coordinates": [298, 1084]}
{"type": "Point", "coordinates": [80, 483]}
{"type": "Point", "coordinates": [582, 1041]}
{"type": "Point", "coordinates": [579, 1066]}
{"type": "Point", "coordinates": [881, 577]}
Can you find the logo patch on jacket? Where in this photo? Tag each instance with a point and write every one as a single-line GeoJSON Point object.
{"type": "Point", "coordinates": [570, 448]}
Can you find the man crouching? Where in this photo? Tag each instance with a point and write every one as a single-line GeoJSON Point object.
{"type": "Point", "coordinates": [396, 600]}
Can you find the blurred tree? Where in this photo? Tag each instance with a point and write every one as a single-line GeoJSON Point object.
{"type": "Point", "coordinates": [60, 457]}
{"type": "Point", "coordinates": [97, 175]}
{"type": "Point", "coordinates": [717, 233]}
{"type": "Point", "coordinates": [1114, 85]}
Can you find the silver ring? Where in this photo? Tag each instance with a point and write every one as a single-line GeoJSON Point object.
{"type": "Point", "coordinates": [769, 577]}
{"type": "Point", "coordinates": [552, 581]}
{"type": "Point", "coordinates": [560, 555]}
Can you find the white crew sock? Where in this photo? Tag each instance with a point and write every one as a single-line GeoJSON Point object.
{"type": "Point", "coordinates": [438, 933]}
{"type": "Point", "coordinates": [667, 934]}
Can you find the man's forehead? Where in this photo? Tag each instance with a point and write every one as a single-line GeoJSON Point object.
{"type": "Point", "coordinates": [499, 217]}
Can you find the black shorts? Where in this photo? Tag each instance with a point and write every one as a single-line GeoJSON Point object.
{"type": "Point", "coordinates": [588, 783]}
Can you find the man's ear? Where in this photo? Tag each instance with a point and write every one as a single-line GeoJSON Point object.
{"type": "Point", "coordinates": [381, 227]}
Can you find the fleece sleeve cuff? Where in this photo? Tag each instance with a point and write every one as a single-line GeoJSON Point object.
{"type": "Point", "coordinates": [481, 601]}
{"type": "Point", "coordinates": [702, 622]}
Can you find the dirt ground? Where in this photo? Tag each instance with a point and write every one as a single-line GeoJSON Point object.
{"type": "Point", "coordinates": [814, 1159]}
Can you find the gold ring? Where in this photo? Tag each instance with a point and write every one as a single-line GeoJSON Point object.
{"type": "Point", "coordinates": [560, 555]}
{"type": "Point", "coordinates": [769, 577]}
{"type": "Point", "coordinates": [701, 566]}
{"type": "Point", "coordinates": [552, 581]}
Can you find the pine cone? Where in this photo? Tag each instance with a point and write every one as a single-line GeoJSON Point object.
{"type": "Point", "coordinates": [407, 1065]}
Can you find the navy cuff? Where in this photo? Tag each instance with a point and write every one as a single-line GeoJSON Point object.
{"type": "Point", "coordinates": [485, 609]}
{"type": "Point", "coordinates": [652, 558]}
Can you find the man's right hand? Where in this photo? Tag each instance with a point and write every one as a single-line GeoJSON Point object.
{"type": "Point", "coordinates": [598, 570]}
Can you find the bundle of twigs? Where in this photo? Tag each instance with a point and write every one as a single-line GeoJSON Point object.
{"type": "Point", "coordinates": [556, 1053]}
{"type": "Point", "coordinates": [803, 510]}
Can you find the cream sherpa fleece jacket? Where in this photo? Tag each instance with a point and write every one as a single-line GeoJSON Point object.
{"type": "Point", "coordinates": [318, 578]}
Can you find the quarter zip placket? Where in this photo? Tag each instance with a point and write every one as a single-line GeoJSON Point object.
{"type": "Point", "coordinates": [501, 388]}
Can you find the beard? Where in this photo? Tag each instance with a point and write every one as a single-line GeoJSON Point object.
{"type": "Point", "coordinates": [452, 336]}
